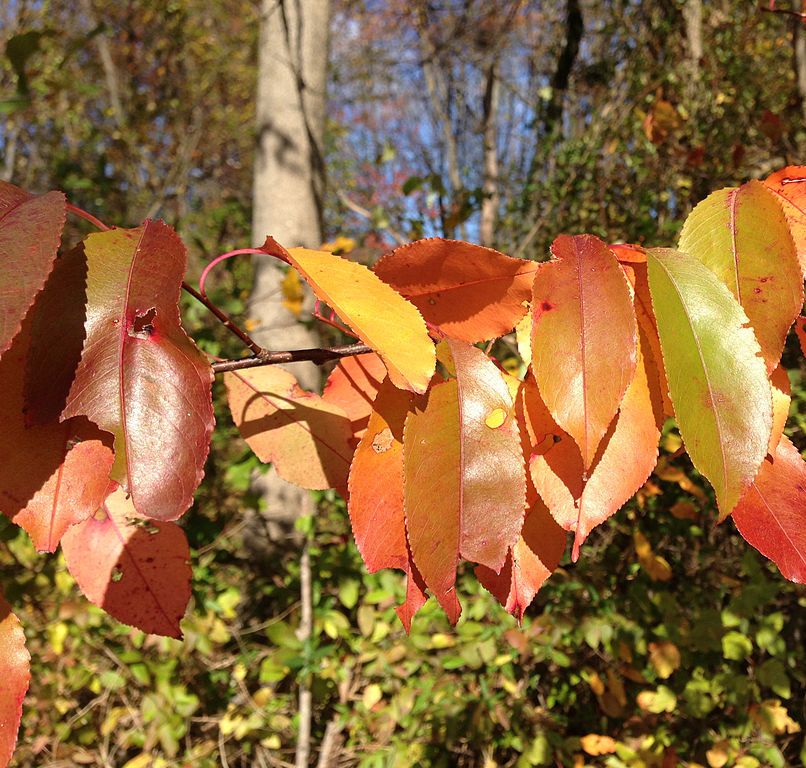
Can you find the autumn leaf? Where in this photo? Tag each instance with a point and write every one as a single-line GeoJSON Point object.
{"type": "Point", "coordinates": [461, 473]}
{"type": "Point", "coordinates": [594, 744]}
{"type": "Point", "coordinates": [140, 377]}
{"type": "Point", "coordinates": [530, 562]}
{"type": "Point", "coordinates": [717, 379]}
{"type": "Point", "coordinates": [789, 187]}
{"type": "Point", "coordinates": [584, 338]}
{"type": "Point", "coordinates": [742, 236]}
{"type": "Point", "coordinates": [772, 515]}
{"type": "Point", "coordinates": [398, 333]}
{"type": "Point", "coordinates": [136, 569]}
{"type": "Point", "coordinates": [15, 675]}
{"type": "Point", "coordinates": [664, 658]}
{"type": "Point", "coordinates": [771, 716]}
{"type": "Point", "coordinates": [469, 292]}
{"type": "Point", "coordinates": [353, 385]}
{"type": "Point", "coordinates": [293, 294]}
{"type": "Point", "coordinates": [52, 475]}
{"type": "Point", "coordinates": [657, 567]}
{"type": "Point", "coordinates": [305, 437]}
{"type": "Point", "coordinates": [781, 399]}
{"type": "Point", "coordinates": [30, 233]}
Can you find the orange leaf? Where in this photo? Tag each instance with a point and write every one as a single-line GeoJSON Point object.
{"type": "Point", "coordinates": [595, 745]}
{"type": "Point", "coordinates": [353, 385]}
{"type": "Point", "coordinates": [15, 676]}
{"type": "Point", "coordinates": [529, 563]}
{"type": "Point", "coordinates": [470, 292]}
{"type": "Point", "coordinates": [398, 333]}
{"type": "Point", "coordinates": [460, 474]}
{"type": "Point", "coordinates": [772, 514]}
{"type": "Point", "coordinates": [584, 338]}
{"type": "Point", "coordinates": [137, 570]}
{"type": "Point", "coordinates": [789, 186]}
{"type": "Point", "coordinates": [781, 399]}
{"type": "Point", "coordinates": [306, 438]}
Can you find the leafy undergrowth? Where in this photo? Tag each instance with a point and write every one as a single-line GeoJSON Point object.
{"type": "Point", "coordinates": [669, 643]}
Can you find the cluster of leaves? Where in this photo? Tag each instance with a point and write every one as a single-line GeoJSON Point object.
{"type": "Point", "coordinates": [108, 411]}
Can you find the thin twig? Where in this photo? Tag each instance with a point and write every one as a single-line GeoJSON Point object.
{"type": "Point", "coordinates": [355, 207]}
{"type": "Point", "coordinates": [87, 217]}
{"type": "Point", "coordinates": [783, 11]}
{"type": "Point", "coordinates": [316, 356]}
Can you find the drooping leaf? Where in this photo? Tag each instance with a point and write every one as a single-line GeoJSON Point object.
{"type": "Point", "coordinates": [15, 676]}
{"type": "Point", "coordinates": [140, 376]}
{"type": "Point", "coordinates": [398, 333]}
{"type": "Point", "coordinates": [584, 338]}
{"type": "Point", "coordinates": [529, 563]}
{"type": "Point", "coordinates": [461, 474]}
{"type": "Point", "coordinates": [789, 187]}
{"type": "Point", "coordinates": [305, 437]}
{"type": "Point", "coordinates": [52, 475]}
{"type": "Point", "coordinates": [742, 236]}
{"type": "Point", "coordinates": [717, 378]}
{"type": "Point", "coordinates": [772, 514]}
{"type": "Point", "coordinates": [630, 452]}
{"type": "Point", "coordinates": [136, 569]}
{"type": "Point", "coordinates": [30, 232]}
{"type": "Point", "coordinates": [353, 385]}
{"type": "Point", "coordinates": [469, 292]}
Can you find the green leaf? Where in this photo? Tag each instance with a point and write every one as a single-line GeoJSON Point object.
{"type": "Point", "coordinates": [717, 379]}
{"type": "Point", "coordinates": [736, 646]}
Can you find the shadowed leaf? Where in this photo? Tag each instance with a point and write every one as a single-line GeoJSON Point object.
{"type": "Point", "coordinates": [353, 385]}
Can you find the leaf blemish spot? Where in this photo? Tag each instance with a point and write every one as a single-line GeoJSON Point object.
{"type": "Point", "coordinates": [496, 418]}
{"type": "Point", "coordinates": [382, 442]}
{"type": "Point", "coordinates": [546, 306]}
{"type": "Point", "coordinates": [117, 574]}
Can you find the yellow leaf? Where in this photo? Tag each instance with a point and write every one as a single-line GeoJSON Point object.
{"type": "Point", "coordinates": [293, 295]}
{"type": "Point", "coordinates": [718, 755]}
{"type": "Point", "coordinates": [377, 314]}
{"type": "Point", "coordinates": [657, 567]}
{"type": "Point", "coordinates": [523, 337]}
{"type": "Point", "coordinates": [671, 442]}
{"type": "Point", "coordinates": [372, 695]}
{"type": "Point", "coordinates": [771, 716]}
{"type": "Point", "coordinates": [664, 657]}
{"type": "Point", "coordinates": [594, 744]}
{"type": "Point", "coordinates": [141, 761]}
{"type": "Point", "coordinates": [340, 245]}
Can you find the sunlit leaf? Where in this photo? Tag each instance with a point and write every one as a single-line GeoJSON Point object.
{"type": "Point", "coordinates": [470, 292]}
{"type": "Point", "coordinates": [772, 515]}
{"type": "Point", "coordinates": [781, 399]}
{"type": "Point", "coordinates": [397, 332]}
{"type": "Point", "coordinates": [140, 377]}
{"type": "Point", "coordinates": [529, 563]}
{"type": "Point", "coordinates": [15, 675]}
{"type": "Point", "coordinates": [717, 378]}
{"type": "Point", "coordinates": [460, 474]}
{"type": "Point", "coordinates": [30, 232]}
{"type": "Point", "coordinates": [353, 385]}
{"type": "Point", "coordinates": [594, 744]}
{"type": "Point", "coordinates": [656, 566]}
{"type": "Point", "coordinates": [789, 187]}
{"type": "Point", "coordinates": [742, 236]}
{"type": "Point", "coordinates": [306, 438]}
{"type": "Point", "coordinates": [584, 338]}
{"type": "Point", "coordinates": [137, 570]}
{"type": "Point", "coordinates": [664, 658]}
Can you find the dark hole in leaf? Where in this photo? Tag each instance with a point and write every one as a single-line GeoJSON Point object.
{"type": "Point", "coordinates": [143, 324]}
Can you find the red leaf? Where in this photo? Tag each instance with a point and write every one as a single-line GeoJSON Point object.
{"type": "Point", "coordinates": [45, 484]}
{"type": "Point", "coordinates": [470, 292]}
{"type": "Point", "coordinates": [584, 338]}
{"type": "Point", "coordinates": [415, 597]}
{"type": "Point", "coordinates": [353, 385]}
{"type": "Point", "coordinates": [140, 377]}
{"type": "Point", "coordinates": [15, 675]}
{"type": "Point", "coordinates": [463, 468]}
{"type": "Point", "coordinates": [529, 563]}
{"type": "Point", "coordinates": [137, 570]}
{"type": "Point", "coordinates": [306, 438]}
{"type": "Point", "coordinates": [772, 514]}
{"type": "Point", "coordinates": [30, 232]}
{"type": "Point", "coordinates": [789, 186]}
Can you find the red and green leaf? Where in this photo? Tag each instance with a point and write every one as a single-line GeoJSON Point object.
{"type": "Point", "coordinates": [772, 514]}
{"type": "Point", "coordinates": [140, 376]}
{"type": "Point", "coordinates": [469, 292]}
{"type": "Point", "coordinates": [136, 569]}
{"type": "Point", "coordinates": [463, 468]}
{"type": "Point", "coordinates": [584, 338]}
{"type": "Point", "coordinates": [15, 676]}
{"type": "Point", "coordinates": [306, 438]}
{"type": "Point", "coordinates": [742, 236]}
{"type": "Point", "coordinates": [30, 233]}
{"type": "Point", "coordinates": [717, 378]}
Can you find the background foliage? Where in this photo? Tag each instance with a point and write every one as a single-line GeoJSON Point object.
{"type": "Point", "coordinates": [670, 638]}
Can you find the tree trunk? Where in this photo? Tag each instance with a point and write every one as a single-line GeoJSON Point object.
{"type": "Point", "coordinates": [288, 193]}
{"type": "Point", "coordinates": [800, 60]}
{"type": "Point", "coordinates": [491, 201]}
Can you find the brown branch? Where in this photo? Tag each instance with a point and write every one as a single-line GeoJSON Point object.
{"type": "Point", "coordinates": [316, 356]}
{"type": "Point", "coordinates": [783, 11]}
